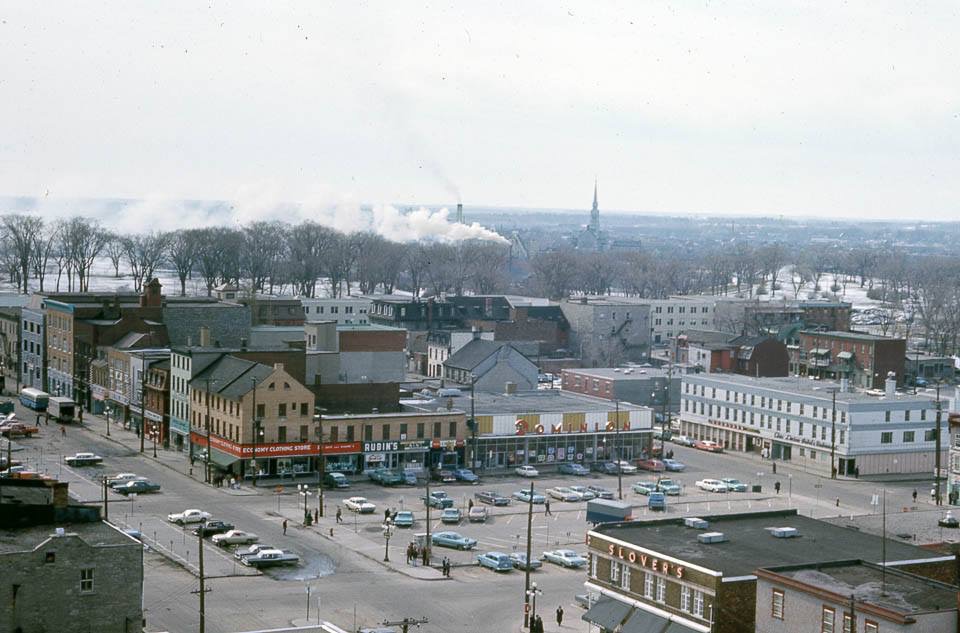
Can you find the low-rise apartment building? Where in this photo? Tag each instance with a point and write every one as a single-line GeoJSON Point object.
{"type": "Point", "coordinates": [343, 310]}
{"type": "Point", "coordinates": [861, 358]}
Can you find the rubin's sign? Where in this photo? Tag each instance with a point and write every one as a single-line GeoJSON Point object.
{"type": "Point", "coordinates": [525, 428]}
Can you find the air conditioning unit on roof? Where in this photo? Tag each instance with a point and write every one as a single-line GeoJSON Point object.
{"type": "Point", "coordinates": [696, 523]}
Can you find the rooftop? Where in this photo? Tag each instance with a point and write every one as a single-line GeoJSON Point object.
{"type": "Point", "coordinates": [231, 377]}
{"type": "Point", "coordinates": [367, 327]}
{"type": "Point", "coordinates": [850, 336]}
{"type": "Point", "coordinates": [624, 374]}
{"type": "Point", "coordinates": [750, 544]}
{"type": "Point", "coordinates": [94, 533]}
{"type": "Point", "coordinates": [902, 592]}
{"type": "Point", "coordinates": [523, 402]}
{"type": "Point", "coordinates": [474, 353]}
{"type": "Point", "coordinates": [808, 387]}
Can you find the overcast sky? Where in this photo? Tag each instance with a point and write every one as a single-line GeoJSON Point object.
{"type": "Point", "coordinates": [828, 108]}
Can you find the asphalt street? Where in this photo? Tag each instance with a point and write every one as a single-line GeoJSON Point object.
{"type": "Point", "coordinates": [347, 577]}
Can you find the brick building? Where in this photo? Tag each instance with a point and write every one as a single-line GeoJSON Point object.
{"type": "Point", "coordinates": [863, 359]}
{"type": "Point", "coordinates": [351, 353]}
{"type": "Point", "coordinates": [646, 386]}
{"type": "Point", "coordinates": [719, 352]}
{"type": "Point", "coordinates": [10, 347]}
{"type": "Point", "coordinates": [656, 574]}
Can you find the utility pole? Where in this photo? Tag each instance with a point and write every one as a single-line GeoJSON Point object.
{"type": "Point", "coordinates": [203, 590]}
{"type": "Point", "coordinates": [106, 507]}
{"type": "Point", "coordinates": [320, 462]}
{"type": "Point", "coordinates": [617, 446]}
{"type": "Point", "coordinates": [206, 456]}
{"type": "Point", "coordinates": [526, 573]}
{"type": "Point", "coordinates": [143, 405]}
{"type": "Point", "coordinates": [428, 542]}
{"type": "Point", "coordinates": [256, 431]}
{"type": "Point", "coordinates": [473, 422]}
{"type": "Point", "coordinates": [833, 434]}
{"type": "Point", "coordinates": [405, 623]}
{"type": "Point", "coordinates": [936, 475]}
{"type": "Point", "coordinates": [665, 421]}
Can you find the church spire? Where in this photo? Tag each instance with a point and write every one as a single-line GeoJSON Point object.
{"type": "Point", "coordinates": [595, 211]}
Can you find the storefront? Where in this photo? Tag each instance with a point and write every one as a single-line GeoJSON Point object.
{"type": "Point", "coordinates": [415, 455]}
{"type": "Point", "coordinates": [511, 451]}
{"type": "Point", "coordinates": [290, 459]}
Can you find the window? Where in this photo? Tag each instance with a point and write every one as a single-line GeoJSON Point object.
{"type": "Point", "coordinates": [847, 623]}
{"type": "Point", "coordinates": [698, 604]}
{"type": "Point", "coordinates": [437, 429]}
{"type": "Point", "coordinates": [86, 580]}
{"type": "Point", "coordinates": [826, 620]}
{"type": "Point", "coordinates": [908, 436]}
{"type": "Point", "coordinates": [385, 430]}
{"type": "Point", "coordinates": [906, 415]}
{"type": "Point", "coordinates": [593, 566]}
{"type": "Point", "coordinates": [50, 557]}
{"type": "Point", "coordinates": [303, 432]}
{"type": "Point", "coordinates": [625, 578]}
{"type": "Point", "coordinates": [281, 434]}
{"type": "Point", "coordinates": [648, 586]}
{"type": "Point", "coordinates": [869, 626]}
{"type": "Point", "coordinates": [367, 432]}
{"type": "Point", "coordinates": [776, 605]}
{"type": "Point", "coordinates": [930, 435]}
{"type": "Point", "coordinates": [923, 414]}
{"type": "Point", "coordinates": [282, 410]}
{"type": "Point", "coordinates": [685, 598]}
{"type": "Point", "coordinates": [261, 411]}
{"type": "Point", "coordinates": [886, 416]}
{"type": "Point", "coordinates": [420, 426]}
{"type": "Point", "coordinates": [304, 408]}
{"type": "Point", "coordinates": [614, 572]}
{"type": "Point", "coordinates": [453, 430]}
{"type": "Point", "coordinates": [661, 590]}
{"type": "Point", "coordinates": [350, 432]}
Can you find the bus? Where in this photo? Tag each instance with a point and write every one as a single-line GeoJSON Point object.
{"type": "Point", "coordinates": [34, 399]}
{"type": "Point", "coordinates": [61, 409]}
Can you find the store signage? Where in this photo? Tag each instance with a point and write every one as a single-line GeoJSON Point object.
{"type": "Point", "coordinates": [645, 560]}
{"type": "Point", "coordinates": [523, 428]}
{"type": "Point", "coordinates": [418, 445]}
{"type": "Point", "coordinates": [287, 449]}
{"type": "Point", "coordinates": [809, 441]}
{"type": "Point", "coordinates": [380, 447]}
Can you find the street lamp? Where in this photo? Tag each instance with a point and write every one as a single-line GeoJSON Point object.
{"type": "Point", "coordinates": [473, 422]}
{"type": "Point", "coordinates": [387, 533]}
{"type": "Point", "coordinates": [109, 413]}
{"type": "Point", "coordinates": [304, 491]}
{"type": "Point", "coordinates": [532, 593]}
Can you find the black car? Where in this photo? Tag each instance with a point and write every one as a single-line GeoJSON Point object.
{"type": "Point", "coordinates": [213, 526]}
{"type": "Point", "coordinates": [491, 498]}
{"type": "Point", "coordinates": [138, 486]}
{"type": "Point", "coordinates": [443, 475]}
{"type": "Point", "coordinates": [607, 468]}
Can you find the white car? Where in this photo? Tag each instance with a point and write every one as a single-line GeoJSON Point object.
{"type": "Point", "coordinates": [527, 471]}
{"type": "Point", "coordinates": [563, 494]}
{"type": "Point", "coordinates": [626, 467]}
{"type": "Point", "coordinates": [234, 537]}
{"type": "Point", "coordinates": [583, 492]}
{"type": "Point", "coordinates": [712, 485]}
{"type": "Point", "coordinates": [188, 516]}
{"type": "Point", "coordinates": [565, 558]}
{"type": "Point", "coordinates": [121, 478]}
{"type": "Point", "coordinates": [360, 505]}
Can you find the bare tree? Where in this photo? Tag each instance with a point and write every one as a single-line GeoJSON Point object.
{"type": "Point", "coordinates": [144, 253]}
{"type": "Point", "coordinates": [308, 243]}
{"type": "Point", "coordinates": [44, 244]}
{"type": "Point", "coordinates": [488, 273]}
{"type": "Point", "coordinates": [84, 239]}
{"type": "Point", "coordinates": [182, 254]}
{"type": "Point", "coordinates": [263, 245]}
{"type": "Point", "coordinates": [337, 260]}
{"type": "Point", "coordinates": [115, 251]}
{"type": "Point", "coordinates": [415, 262]}
{"type": "Point", "coordinates": [556, 273]}
{"type": "Point", "coordinates": [21, 232]}
{"type": "Point", "coordinates": [772, 257]}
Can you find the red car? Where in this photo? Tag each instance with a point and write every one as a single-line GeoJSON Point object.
{"type": "Point", "coordinates": [708, 445]}
{"type": "Point", "coordinates": [651, 464]}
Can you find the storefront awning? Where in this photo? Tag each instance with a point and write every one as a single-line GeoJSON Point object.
{"type": "Point", "coordinates": [820, 351]}
{"type": "Point", "coordinates": [845, 355]}
{"type": "Point", "coordinates": [641, 621]}
{"type": "Point", "coordinates": [223, 460]}
{"type": "Point", "coordinates": [607, 613]}
{"type": "Point", "coordinates": [676, 627]}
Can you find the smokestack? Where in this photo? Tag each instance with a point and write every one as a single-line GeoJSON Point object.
{"type": "Point", "coordinates": [204, 336]}
{"type": "Point", "coordinates": [459, 213]}
{"type": "Point", "coordinates": [891, 384]}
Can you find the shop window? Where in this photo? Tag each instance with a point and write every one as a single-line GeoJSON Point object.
{"type": "Point", "coordinates": [698, 604]}
{"type": "Point", "coordinates": [648, 586]}
{"type": "Point", "coordinates": [625, 579]}
{"type": "Point", "coordinates": [685, 598]}
{"type": "Point", "coordinates": [281, 434]}
{"type": "Point", "coordinates": [614, 572]}
{"type": "Point", "coordinates": [661, 590]}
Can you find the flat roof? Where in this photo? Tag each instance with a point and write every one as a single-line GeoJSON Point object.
{"type": "Point", "coordinates": [538, 401]}
{"type": "Point", "coordinates": [372, 327]}
{"type": "Point", "coordinates": [794, 386]}
{"type": "Point", "coordinates": [750, 544]}
{"type": "Point", "coordinates": [903, 592]}
{"type": "Point", "coordinates": [630, 373]}
{"type": "Point", "coordinates": [854, 336]}
{"type": "Point", "coordinates": [28, 538]}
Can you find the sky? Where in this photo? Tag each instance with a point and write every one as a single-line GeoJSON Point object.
{"type": "Point", "coordinates": [835, 109]}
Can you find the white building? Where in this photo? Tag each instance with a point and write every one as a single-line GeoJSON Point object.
{"type": "Point", "coordinates": [443, 343]}
{"type": "Point", "coordinates": [345, 310]}
{"type": "Point", "coordinates": [670, 317]}
{"type": "Point", "coordinates": [798, 420]}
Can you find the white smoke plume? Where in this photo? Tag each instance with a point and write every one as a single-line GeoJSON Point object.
{"type": "Point", "coordinates": [424, 224]}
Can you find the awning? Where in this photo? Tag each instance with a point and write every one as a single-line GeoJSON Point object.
{"type": "Point", "coordinates": [676, 627]}
{"type": "Point", "coordinates": [607, 613]}
{"type": "Point", "coordinates": [221, 459]}
{"type": "Point", "coordinates": [646, 622]}
{"type": "Point", "coordinates": [845, 355]}
{"type": "Point", "coordinates": [820, 351]}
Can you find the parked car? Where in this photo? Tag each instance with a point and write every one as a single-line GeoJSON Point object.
{"type": "Point", "coordinates": [467, 475]}
{"type": "Point", "coordinates": [524, 496]}
{"type": "Point", "coordinates": [477, 514]}
{"type": "Point", "coordinates": [403, 518]}
{"type": "Point", "coordinates": [674, 466]}
{"type": "Point", "coordinates": [409, 476]}
{"type": "Point", "coordinates": [491, 498]}
{"type": "Point", "coordinates": [437, 499]}
{"type": "Point", "coordinates": [336, 480]}
{"type": "Point", "coordinates": [137, 486]}
{"type": "Point", "coordinates": [657, 501]}
{"type": "Point", "coordinates": [453, 540]}
{"type": "Point", "coordinates": [375, 474]}
{"type": "Point", "coordinates": [654, 465]}
{"type": "Point", "coordinates": [360, 505]}
{"type": "Point", "coordinates": [188, 516]}
{"type": "Point", "coordinates": [565, 558]}
{"type": "Point", "coordinates": [243, 552]}
{"type": "Point", "coordinates": [443, 474]}
{"type": "Point", "coordinates": [83, 459]}
{"type": "Point", "coordinates": [644, 487]}
{"type": "Point", "coordinates": [450, 515]}
{"type": "Point", "coordinates": [234, 537]}
{"type": "Point", "coordinates": [563, 494]}
{"type": "Point", "coordinates": [600, 492]}
{"type": "Point", "coordinates": [607, 468]}
{"type": "Point", "coordinates": [389, 478]}
{"type": "Point", "coordinates": [13, 428]}
{"type": "Point", "coordinates": [527, 471]}
{"type": "Point", "coordinates": [121, 478]}
{"type": "Point", "coordinates": [682, 440]}
{"type": "Point", "coordinates": [585, 493]}
{"type": "Point", "coordinates": [520, 561]}
{"type": "Point", "coordinates": [270, 558]}
{"type": "Point", "coordinates": [626, 467]}
{"type": "Point", "coordinates": [212, 526]}
{"type": "Point", "coordinates": [669, 487]}
{"type": "Point", "coordinates": [497, 561]}
{"type": "Point", "coordinates": [712, 485]}
{"type": "Point", "coordinates": [569, 468]}
{"type": "Point", "coordinates": [734, 485]}
{"type": "Point", "coordinates": [709, 446]}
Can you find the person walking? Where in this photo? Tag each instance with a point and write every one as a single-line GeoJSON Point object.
{"type": "Point", "coordinates": [914, 495]}
{"type": "Point", "coordinates": [774, 468]}
{"type": "Point", "coordinates": [63, 431]}
{"type": "Point", "coordinates": [560, 616]}
{"type": "Point", "coordinates": [339, 515]}
{"type": "Point", "coordinates": [776, 487]}
{"type": "Point", "coordinates": [316, 514]}
{"type": "Point", "coordinates": [838, 502]}
{"type": "Point", "coordinates": [284, 527]}
{"type": "Point", "coordinates": [426, 555]}
{"type": "Point", "coordinates": [539, 624]}
{"type": "Point", "coordinates": [470, 504]}
{"type": "Point", "coordinates": [546, 507]}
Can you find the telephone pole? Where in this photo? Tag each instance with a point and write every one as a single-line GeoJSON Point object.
{"type": "Point", "coordinates": [203, 590]}
{"type": "Point", "coordinates": [526, 573]}
{"type": "Point", "coordinates": [406, 623]}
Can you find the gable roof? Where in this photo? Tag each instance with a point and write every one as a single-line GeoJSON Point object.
{"type": "Point", "coordinates": [231, 377]}
{"type": "Point", "coordinates": [475, 352]}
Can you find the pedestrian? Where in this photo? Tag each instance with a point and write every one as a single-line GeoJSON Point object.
{"type": "Point", "coordinates": [774, 468]}
{"type": "Point", "coordinates": [63, 431]}
{"type": "Point", "coordinates": [838, 502]}
{"type": "Point", "coordinates": [914, 495]}
{"type": "Point", "coordinates": [284, 527]}
{"type": "Point", "coordinates": [426, 555]}
{"type": "Point", "coordinates": [339, 515]}
{"type": "Point", "coordinates": [386, 515]}
{"type": "Point", "coordinates": [560, 616]}
{"type": "Point", "coordinates": [409, 552]}
{"type": "Point", "coordinates": [546, 507]}
{"type": "Point", "coordinates": [539, 624]}
{"type": "Point", "coordinates": [776, 487]}
{"type": "Point", "coordinates": [316, 514]}
{"type": "Point", "coordinates": [856, 472]}
{"type": "Point", "coordinates": [470, 504]}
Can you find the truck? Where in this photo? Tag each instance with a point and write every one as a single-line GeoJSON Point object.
{"type": "Point", "coordinates": [608, 510]}
{"type": "Point", "coordinates": [60, 409]}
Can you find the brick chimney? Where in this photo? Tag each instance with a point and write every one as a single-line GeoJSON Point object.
{"type": "Point", "coordinates": [151, 296]}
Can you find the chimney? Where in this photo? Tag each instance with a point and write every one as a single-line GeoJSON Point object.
{"type": "Point", "coordinates": [278, 366]}
{"type": "Point", "coordinates": [189, 341]}
{"type": "Point", "coordinates": [204, 336]}
{"type": "Point", "coordinates": [243, 344]}
{"type": "Point", "coordinates": [891, 384]}
{"type": "Point", "coordinates": [510, 388]}
{"type": "Point", "coordinates": [459, 213]}
{"type": "Point", "coordinates": [476, 333]}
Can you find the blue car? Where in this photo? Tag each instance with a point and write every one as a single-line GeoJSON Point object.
{"type": "Point", "coordinates": [465, 474]}
{"type": "Point", "coordinates": [674, 465]}
{"type": "Point", "coordinates": [524, 496]}
{"type": "Point", "coordinates": [573, 469]}
{"type": "Point", "coordinates": [454, 540]}
{"type": "Point", "coordinates": [497, 561]}
{"type": "Point", "coordinates": [404, 518]}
